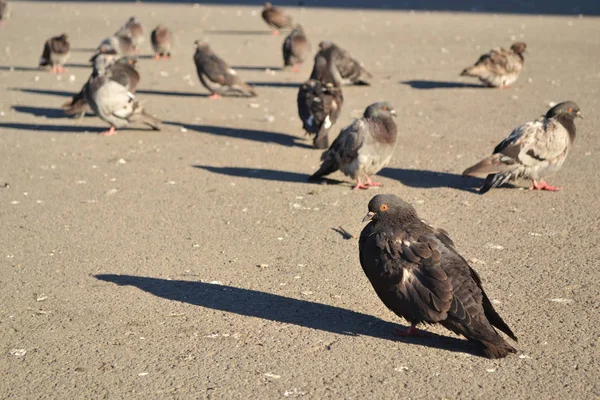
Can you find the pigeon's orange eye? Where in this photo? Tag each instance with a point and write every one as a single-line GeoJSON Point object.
{"type": "Point", "coordinates": [383, 207]}
{"type": "Point", "coordinates": [384, 108]}
{"type": "Point", "coordinates": [570, 110]}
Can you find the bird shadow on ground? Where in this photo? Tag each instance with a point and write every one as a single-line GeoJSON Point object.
{"type": "Point", "coordinates": [255, 68]}
{"type": "Point", "coordinates": [345, 234]}
{"type": "Point", "coordinates": [14, 68]}
{"type": "Point", "coordinates": [73, 65]}
{"type": "Point", "coordinates": [64, 128]}
{"type": "Point", "coordinates": [145, 56]}
{"type": "Point", "coordinates": [249, 134]}
{"type": "Point", "coordinates": [171, 93]}
{"type": "Point", "coordinates": [235, 32]}
{"type": "Point", "coordinates": [424, 179]}
{"type": "Point", "coordinates": [287, 310]}
{"type": "Point", "coordinates": [47, 92]}
{"type": "Point", "coordinates": [422, 84]}
{"type": "Point", "coordinates": [276, 84]}
{"type": "Point", "coordinates": [41, 112]}
{"type": "Point", "coordinates": [260, 173]}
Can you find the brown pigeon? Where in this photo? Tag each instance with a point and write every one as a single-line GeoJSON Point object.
{"type": "Point", "coordinates": [342, 67]}
{"type": "Point", "coordinates": [161, 42]}
{"type": "Point", "coordinates": [532, 151]}
{"type": "Point", "coordinates": [499, 67]}
{"type": "Point", "coordinates": [276, 18]}
{"type": "Point", "coordinates": [217, 76]}
{"type": "Point", "coordinates": [55, 54]}
{"type": "Point", "coordinates": [363, 148]}
{"type": "Point", "coordinates": [133, 29]}
{"type": "Point", "coordinates": [295, 48]}
{"type": "Point", "coordinates": [418, 274]}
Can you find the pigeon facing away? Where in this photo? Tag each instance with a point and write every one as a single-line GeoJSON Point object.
{"type": "Point", "coordinates": [499, 67]}
{"type": "Point", "coordinates": [342, 67]}
{"type": "Point", "coordinates": [55, 53]}
{"type": "Point", "coordinates": [532, 151]}
{"type": "Point", "coordinates": [276, 18]}
{"type": "Point", "coordinates": [161, 42]}
{"type": "Point", "coordinates": [295, 48]}
{"type": "Point", "coordinates": [319, 107]}
{"type": "Point", "coordinates": [133, 29]}
{"type": "Point", "coordinates": [113, 103]}
{"type": "Point", "coordinates": [364, 147]}
{"type": "Point", "coordinates": [418, 274]}
{"type": "Point", "coordinates": [217, 76]}
{"type": "Point", "coordinates": [121, 44]}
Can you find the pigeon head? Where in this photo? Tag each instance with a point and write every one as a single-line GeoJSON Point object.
{"type": "Point", "coordinates": [201, 45]}
{"type": "Point", "coordinates": [565, 109]}
{"type": "Point", "coordinates": [325, 44]}
{"type": "Point", "coordinates": [63, 36]}
{"type": "Point", "coordinates": [268, 5]}
{"type": "Point", "coordinates": [381, 109]}
{"type": "Point", "coordinates": [518, 47]}
{"type": "Point", "coordinates": [385, 206]}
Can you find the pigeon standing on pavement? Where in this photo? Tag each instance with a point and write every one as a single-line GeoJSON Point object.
{"type": "Point", "coordinates": [418, 274]}
{"type": "Point", "coordinates": [295, 48]}
{"type": "Point", "coordinates": [161, 42]}
{"type": "Point", "coordinates": [217, 76]}
{"type": "Point", "coordinates": [363, 148]}
{"type": "Point", "coordinates": [532, 151]}
{"type": "Point", "coordinates": [499, 67]}
{"type": "Point", "coordinates": [133, 29]}
{"type": "Point", "coordinates": [342, 67]}
{"type": "Point", "coordinates": [319, 106]}
{"type": "Point", "coordinates": [276, 18]}
{"type": "Point", "coordinates": [113, 103]}
{"type": "Point", "coordinates": [55, 54]}
{"type": "Point", "coordinates": [121, 44]}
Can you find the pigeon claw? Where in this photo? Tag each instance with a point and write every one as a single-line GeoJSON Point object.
{"type": "Point", "coordinates": [275, 32]}
{"type": "Point", "coordinates": [542, 185]}
{"type": "Point", "coordinates": [157, 56]}
{"type": "Point", "coordinates": [371, 183]}
{"type": "Point", "coordinates": [412, 331]}
{"type": "Point", "coordinates": [360, 185]}
{"type": "Point", "coordinates": [214, 96]}
{"type": "Point", "coordinates": [110, 132]}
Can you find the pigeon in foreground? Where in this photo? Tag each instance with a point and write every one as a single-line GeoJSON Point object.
{"type": "Point", "coordinates": [295, 48]}
{"type": "Point", "coordinates": [276, 18]}
{"type": "Point", "coordinates": [217, 76]}
{"type": "Point", "coordinates": [418, 274]}
{"type": "Point", "coordinates": [121, 44]}
{"type": "Point", "coordinates": [364, 147]}
{"type": "Point", "coordinates": [499, 67]}
{"type": "Point", "coordinates": [342, 67]}
{"type": "Point", "coordinates": [133, 29]}
{"type": "Point", "coordinates": [532, 151]}
{"type": "Point", "coordinates": [113, 103]}
{"type": "Point", "coordinates": [319, 107]}
{"type": "Point", "coordinates": [55, 53]}
{"type": "Point", "coordinates": [161, 42]}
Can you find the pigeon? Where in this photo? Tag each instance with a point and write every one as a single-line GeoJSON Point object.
{"type": "Point", "coordinates": [319, 107]}
{"type": "Point", "coordinates": [121, 44]}
{"type": "Point", "coordinates": [113, 103]}
{"type": "Point", "coordinates": [55, 53]}
{"type": "Point", "coordinates": [133, 29]}
{"type": "Point", "coordinates": [420, 276]}
{"type": "Point", "coordinates": [4, 12]}
{"type": "Point", "coordinates": [532, 151]}
{"type": "Point", "coordinates": [122, 70]}
{"type": "Point", "coordinates": [343, 68]}
{"type": "Point", "coordinates": [217, 76]}
{"type": "Point", "coordinates": [364, 147]}
{"type": "Point", "coordinates": [499, 67]}
{"type": "Point", "coordinates": [276, 18]}
{"type": "Point", "coordinates": [295, 48]}
{"type": "Point", "coordinates": [161, 42]}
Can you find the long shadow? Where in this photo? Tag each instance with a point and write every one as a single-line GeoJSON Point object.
{"type": "Point", "coordinates": [14, 68]}
{"type": "Point", "coordinates": [249, 134]}
{"type": "Point", "coordinates": [77, 65]}
{"type": "Point", "coordinates": [41, 112]}
{"type": "Point", "coordinates": [276, 84]}
{"type": "Point", "coordinates": [236, 32]}
{"type": "Point", "coordinates": [272, 307]}
{"type": "Point", "coordinates": [171, 93]}
{"type": "Point", "coordinates": [425, 179]}
{"type": "Point", "coordinates": [46, 92]}
{"type": "Point", "coordinates": [62, 128]}
{"type": "Point", "coordinates": [423, 84]}
{"type": "Point", "coordinates": [255, 68]}
{"type": "Point", "coordinates": [265, 174]}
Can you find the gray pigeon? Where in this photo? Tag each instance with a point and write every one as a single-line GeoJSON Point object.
{"type": "Point", "coordinates": [122, 70]}
{"type": "Point", "coordinates": [116, 105]}
{"type": "Point", "coordinates": [342, 67]}
{"type": "Point", "coordinates": [319, 107]}
{"type": "Point", "coordinates": [55, 54]}
{"type": "Point", "coordinates": [217, 76]}
{"type": "Point", "coordinates": [295, 48]}
{"type": "Point", "coordinates": [133, 29]}
{"type": "Point", "coordinates": [276, 18]}
{"type": "Point", "coordinates": [363, 148]}
{"type": "Point", "coordinates": [161, 42]}
{"type": "Point", "coordinates": [418, 274]}
{"type": "Point", "coordinates": [499, 67]}
{"type": "Point", "coordinates": [121, 44]}
{"type": "Point", "coordinates": [532, 151]}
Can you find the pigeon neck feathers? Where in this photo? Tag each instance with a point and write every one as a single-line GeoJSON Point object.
{"type": "Point", "coordinates": [568, 121]}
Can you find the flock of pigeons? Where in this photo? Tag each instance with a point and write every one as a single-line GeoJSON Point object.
{"type": "Point", "coordinates": [414, 268]}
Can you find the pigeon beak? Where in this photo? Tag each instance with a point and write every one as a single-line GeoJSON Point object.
{"type": "Point", "coordinates": [369, 216]}
{"type": "Point", "coordinates": [579, 114]}
{"type": "Point", "coordinates": [393, 112]}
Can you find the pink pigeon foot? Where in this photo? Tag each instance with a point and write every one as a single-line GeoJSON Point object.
{"type": "Point", "coordinates": [360, 185]}
{"type": "Point", "coordinates": [412, 331]}
{"type": "Point", "coordinates": [275, 33]}
{"type": "Point", "coordinates": [214, 96]}
{"type": "Point", "coordinates": [371, 183]}
{"type": "Point", "coordinates": [157, 56]}
{"type": "Point", "coordinates": [543, 186]}
{"type": "Point", "coordinates": [110, 132]}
